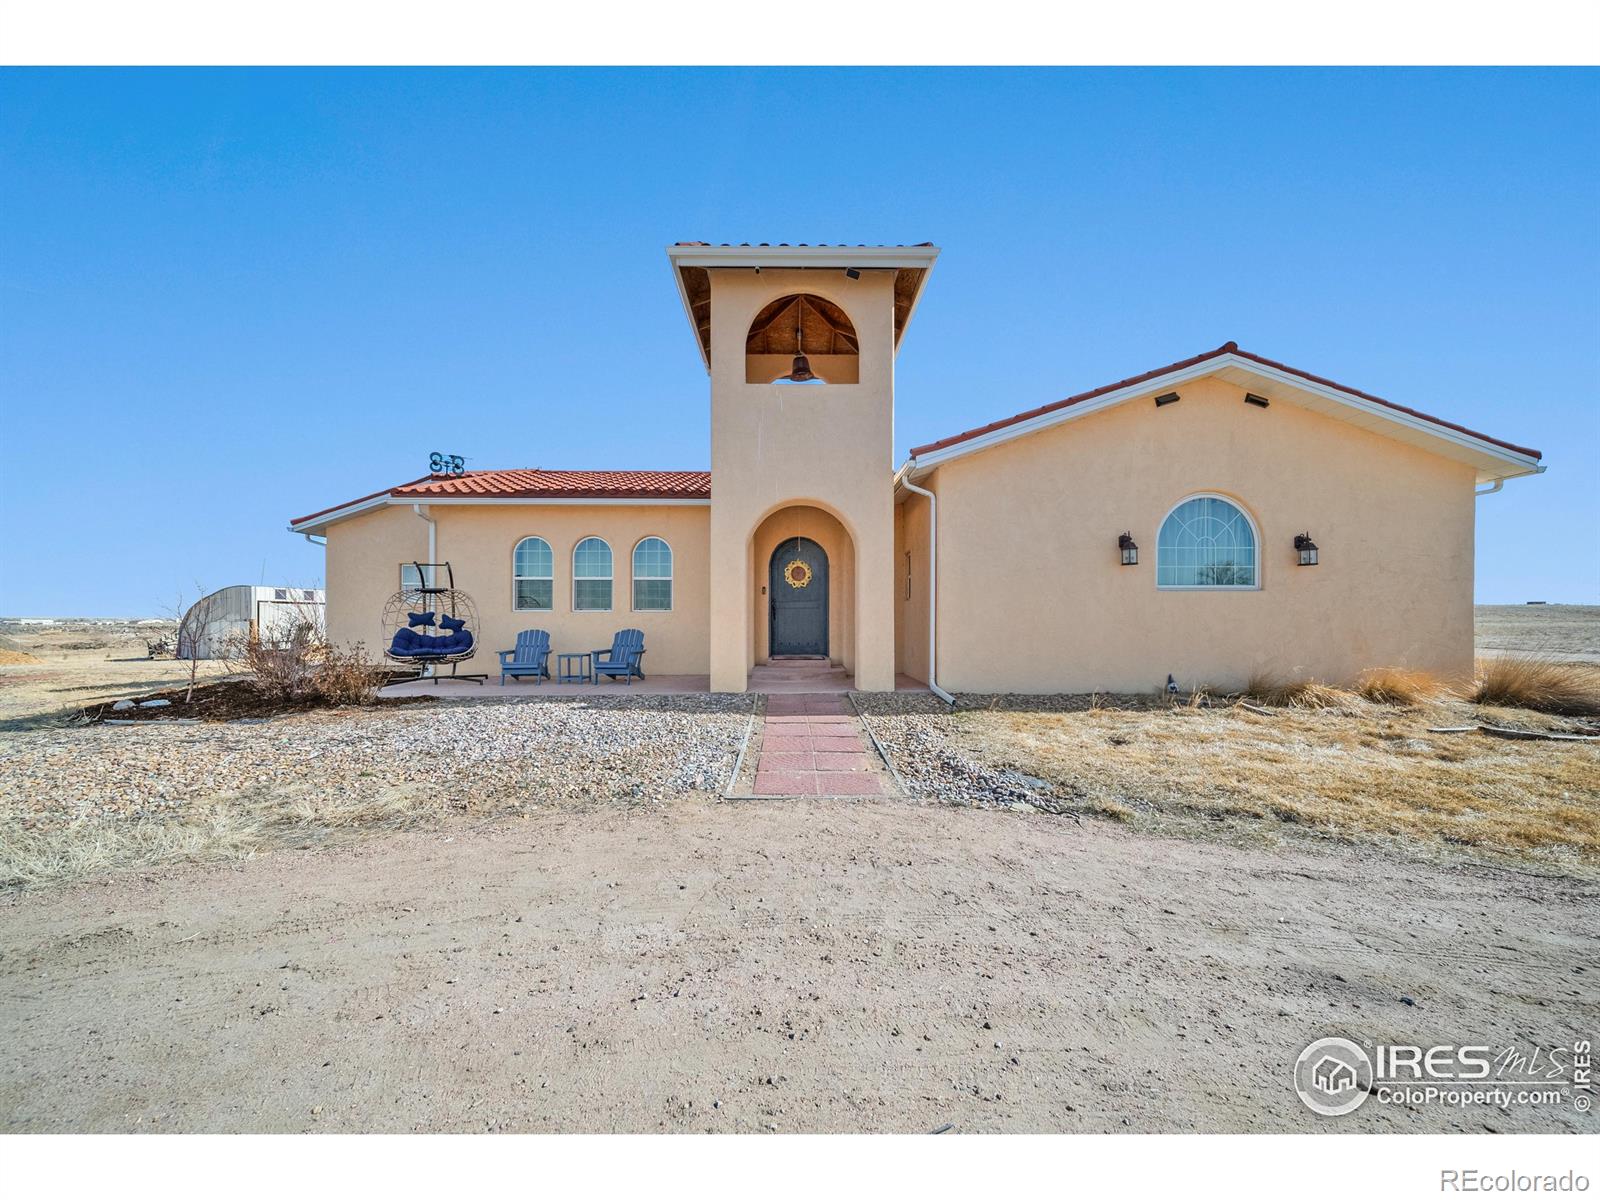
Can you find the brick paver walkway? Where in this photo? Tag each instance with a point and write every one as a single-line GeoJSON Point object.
{"type": "Point", "coordinates": [813, 745]}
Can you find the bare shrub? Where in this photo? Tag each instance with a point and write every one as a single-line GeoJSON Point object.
{"type": "Point", "coordinates": [1298, 693]}
{"type": "Point", "coordinates": [1395, 685]}
{"type": "Point", "coordinates": [283, 671]}
{"type": "Point", "coordinates": [346, 677]}
{"type": "Point", "coordinates": [198, 624]}
{"type": "Point", "coordinates": [1540, 683]}
{"type": "Point", "coordinates": [299, 662]}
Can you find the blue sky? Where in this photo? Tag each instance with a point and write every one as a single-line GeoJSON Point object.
{"type": "Point", "coordinates": [232, 297]}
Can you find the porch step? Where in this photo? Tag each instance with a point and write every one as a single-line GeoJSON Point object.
{"type": "Point", "coordinates": [799, 675]}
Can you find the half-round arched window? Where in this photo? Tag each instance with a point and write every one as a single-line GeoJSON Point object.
{"type": "Point", "coordinates": [802, 338]}
{"type": "Point", "coordinates": [652, 576]}
{"type": "Point", "coordinates": [591, 576]}
{"type": "Point", "coordinates": [1206, 542]}
{"type": "Point", "coordinates": [533, 576]}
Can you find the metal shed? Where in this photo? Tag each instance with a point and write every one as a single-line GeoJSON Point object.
{"type": "Point", "coordinates": [216, 624]}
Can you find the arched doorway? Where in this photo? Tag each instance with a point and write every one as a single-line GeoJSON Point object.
{"type": "Point", "coordinates": [797, 588]}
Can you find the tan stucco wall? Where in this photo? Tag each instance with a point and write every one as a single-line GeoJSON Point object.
{"type": "Point", "coordinates": [825, 530]}
{"type": "Point", "coordinates": [773, 446]}
{"type": "Point", "coordinates": [911, 597]}
{"type": "Point", "coordinates": [478, 540]}
{"type": "Point", "coordinates": [362, 568]}
{"type": "Point", "coordinates": [1032, 597]}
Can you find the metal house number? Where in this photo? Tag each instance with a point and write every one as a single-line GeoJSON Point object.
{"type": "Point", "coordinates": [446, 464]}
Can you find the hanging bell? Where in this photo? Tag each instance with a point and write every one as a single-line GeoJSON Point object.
{"type": "Point", "coordinates": [801, 371]}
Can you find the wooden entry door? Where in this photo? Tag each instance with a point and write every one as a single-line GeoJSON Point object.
{"type": "Point", "coordinates": [797, 586]}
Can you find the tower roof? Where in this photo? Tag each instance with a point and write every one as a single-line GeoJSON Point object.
{"type": "Point", "coordinates": [692, 261]}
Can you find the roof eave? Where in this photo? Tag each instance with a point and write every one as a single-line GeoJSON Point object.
{"type": "Point", "coordinates": [925, 458]}
{"type": "Point", "coordinates": [894, 257]}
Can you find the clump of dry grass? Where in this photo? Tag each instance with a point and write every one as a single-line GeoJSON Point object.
{"type": "Point", "coordinates": [236, 827]}
{"type": "Point", "coordinates": [1540, 683]}
{"type": "Point", "coordinates": [1395, 685]}
{"type": "Point", "coordinates": [1297, 693]}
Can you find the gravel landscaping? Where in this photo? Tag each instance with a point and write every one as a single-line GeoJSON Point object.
{"type": "Point", "coordinates": [228, 788]}
{"type": "Point", "coordinates": [916, 731]}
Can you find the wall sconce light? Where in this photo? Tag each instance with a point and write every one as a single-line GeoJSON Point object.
{"type": "Point", "coordinates": [1306, 549]}
{"type": "Point", "coordinates": [851, 273]}
{"type": "Point", "coordinates": [1130, 550]}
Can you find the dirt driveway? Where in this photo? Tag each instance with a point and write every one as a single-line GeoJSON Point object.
{"type": "Point", "coordinates": [799, 966]}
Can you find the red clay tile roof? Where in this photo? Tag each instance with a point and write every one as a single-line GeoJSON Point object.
{"type": "Point", "coordinates": [817, 246]}
{"type": "Point", "coordinates": [566, 485]}
{"type": "Point", "coordinates": [1226, 348]}
{"type": "Point", "coordinates": [545, 485]}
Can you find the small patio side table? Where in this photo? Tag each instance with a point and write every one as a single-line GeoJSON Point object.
{"type": "Point", "coordinates": [565, 672]}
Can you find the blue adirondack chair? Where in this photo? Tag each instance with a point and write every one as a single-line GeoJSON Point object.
{"type": "Point", "coordinates": [627, 648]}
{"type": "Point", "coordinates": [531, 657]}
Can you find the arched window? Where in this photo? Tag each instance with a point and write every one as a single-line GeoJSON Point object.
{"type": "Point", "coordinates": [652, 576]}
{"type": "Point", "coordinates": [533, 576]}
{"type": "Point", "coordinates": [591, 576]}
{"type": "Point", "coordinates": [1206, 542]}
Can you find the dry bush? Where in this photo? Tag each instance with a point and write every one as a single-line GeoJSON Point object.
{"type": "Point", "coordinates": [283, 672]}
{"type": "Point", "coordinates": [1395, 685]}
{"type": "Point", "coordinates": [1298, 693]}
{"type": "Point", "coordinates": [1540, 683]}
{"type": "Point", "coordinates": [346, 677]}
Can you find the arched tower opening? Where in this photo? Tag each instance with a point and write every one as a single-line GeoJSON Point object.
{"type": "Point", "coordinates": [802, 339]}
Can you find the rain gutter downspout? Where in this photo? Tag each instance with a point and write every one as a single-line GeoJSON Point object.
{"type": "Point", "coordinates": [933, 581]}
{"type": "Point", "coordinates": [433, 556]}
{"type": "Point", "coordinates": [315, 539]}
{"type": "Point", "coordinates": [433, 531]}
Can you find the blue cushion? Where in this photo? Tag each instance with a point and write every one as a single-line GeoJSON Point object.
{"type": "Point", "coordinates": [404, 642]}
{"type": "Point", "coordinates": [420, 618]}
{"type": "Point", "coordinates": [451, 623]}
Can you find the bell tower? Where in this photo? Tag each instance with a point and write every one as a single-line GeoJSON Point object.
{"type": "Point", "coordinates": [800, 345]}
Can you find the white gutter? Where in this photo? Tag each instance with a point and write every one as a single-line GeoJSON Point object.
{"type": "Point", "coordinates": [933, 580]}
{"type": "Point", "coordinates": [315, 539]}
{"type": "Point", "coordinates": [352, 510]}
{"type": "Point", "coordinates": [1501, 482]}
{"type": "Point", "coordinates": [433, 531]}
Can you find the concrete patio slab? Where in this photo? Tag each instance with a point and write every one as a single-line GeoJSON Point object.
{"type": "Point", "coordinates": [462, 689]}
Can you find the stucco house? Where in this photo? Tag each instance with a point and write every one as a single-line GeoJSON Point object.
{"type": "Point", "coordinates": [1218, 516]}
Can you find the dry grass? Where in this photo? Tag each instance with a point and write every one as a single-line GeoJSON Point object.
{"type": "Point", "coordinates": [1362, 771]}
{"type": "Point", "coordinates": [1298, 693]}
{"type": "Point", "coordinates": [1397, 686]}
{"type": "Point", "coordinates": [1536, 682]}
{"type": "Point", "coordinates": [238, 827]}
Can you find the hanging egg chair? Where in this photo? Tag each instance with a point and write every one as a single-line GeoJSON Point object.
{"type": "Point", "coordinates": [426, 626]}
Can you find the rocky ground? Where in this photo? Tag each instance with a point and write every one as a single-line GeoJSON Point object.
{"type": "Point", "coordinates": [79, 799]}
